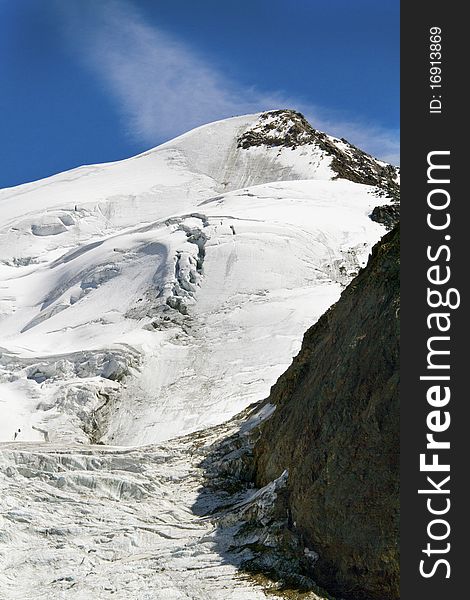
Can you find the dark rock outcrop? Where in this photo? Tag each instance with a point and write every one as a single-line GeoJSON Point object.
{"type": "Point", "coordinates": [388, 215]}
{"type": "Point", "coordinates": [336, 431]}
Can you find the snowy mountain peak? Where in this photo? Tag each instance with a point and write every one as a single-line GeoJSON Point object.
{"type": "Point", "coordinates": [125, 286]}
{"type": "Point", "coordinates": [290, 129]}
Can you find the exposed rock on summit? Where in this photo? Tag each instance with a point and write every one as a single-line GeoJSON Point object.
{"type": "Point", "coordinates": [289, 128]}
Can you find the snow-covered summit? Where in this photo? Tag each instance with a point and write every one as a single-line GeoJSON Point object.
{"type": "Point", "coordinates": [221, 156]}
{"type": "Point", "coordinates": [289, 128]}
{"type": "Point", "coordinates": [157, 295]}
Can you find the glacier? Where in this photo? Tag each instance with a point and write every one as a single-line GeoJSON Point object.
{"type": "Point", "coordinates": [144, 304]}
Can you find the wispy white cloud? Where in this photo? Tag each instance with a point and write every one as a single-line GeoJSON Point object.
{"type": "Point", "coordinates": [163, 88]}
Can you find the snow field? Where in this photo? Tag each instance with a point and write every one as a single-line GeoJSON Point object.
{"type": "Point", "coordinates": [141, 301]}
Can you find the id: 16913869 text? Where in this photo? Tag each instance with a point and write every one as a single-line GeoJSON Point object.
{"type": "Point", "coordinates": [435, 69]}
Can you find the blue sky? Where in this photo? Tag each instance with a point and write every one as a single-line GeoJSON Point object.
{"type": "Point", "coordinates": [85, 81]}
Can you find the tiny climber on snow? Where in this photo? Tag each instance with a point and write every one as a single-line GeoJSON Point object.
{"type": "Point", "coordinates": [233, 229]}
{"type": "Point", "coordinates": [16, 434]}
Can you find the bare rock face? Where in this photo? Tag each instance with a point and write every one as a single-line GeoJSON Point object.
{"type": "Point", "coordinates": [336, 431]}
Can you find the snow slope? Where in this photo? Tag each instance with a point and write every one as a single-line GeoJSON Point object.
{"type": "Point", "coordinates": [143, 300]}
{"type": "Point", "coordinates": [146, 299]}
